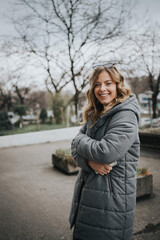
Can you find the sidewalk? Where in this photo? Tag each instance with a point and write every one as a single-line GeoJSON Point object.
{"type": "Point", "coordinates": [35, 198]}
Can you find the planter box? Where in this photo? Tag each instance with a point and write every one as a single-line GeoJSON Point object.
{"type": "Point", "coordinates": [68, 166]}
{"type": "Point", "coordinates": [144, 186]}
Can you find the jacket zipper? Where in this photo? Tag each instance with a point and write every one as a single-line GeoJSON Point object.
{"type": "Point", "coordinates": [109, 182]}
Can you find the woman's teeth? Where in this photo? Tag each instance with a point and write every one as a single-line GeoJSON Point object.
{"type": "Point", "coordinates": [103, 95]}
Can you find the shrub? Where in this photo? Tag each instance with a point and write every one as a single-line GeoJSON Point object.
{"type": "Point", "coordinates": [21, 111]}
{"type": "Point", "coordinates": [63, 152]}
{"type": "Point", "coordinates": [65, 156]}
{"type": "Point", "coordinates": [43, 115]}
{"type": "Point", "coordinates": [143, 172]}
{"type": "Point", "coordinates": [5, 123]}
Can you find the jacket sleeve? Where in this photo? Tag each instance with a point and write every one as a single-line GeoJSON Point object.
{"type": "Point", "coordinates": [116, 142]}
{"type": "Point", "coordinates": [81, 161]}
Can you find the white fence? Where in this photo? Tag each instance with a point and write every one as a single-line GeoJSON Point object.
{"type": "Point", "coordinates": [38, 137]}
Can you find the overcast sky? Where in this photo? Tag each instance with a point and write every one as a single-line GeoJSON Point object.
{"type": "Point", "coordinates": [153, 7]}
{"type": "Point", "coordinates": [149, 7]}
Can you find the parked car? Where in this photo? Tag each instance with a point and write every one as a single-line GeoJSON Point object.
{"type": "Point", "coordinates": [144, 122]}
{"type": "Point", "coordinates": [13, 117]}
{"type": "Point", "coordinates": [156, 122]}
{"type": "Point", "coordinates": [29, 117]}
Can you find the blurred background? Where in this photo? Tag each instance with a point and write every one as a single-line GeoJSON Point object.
{"type": "Point", "coordinates": [48, 48]}
{"type": "Point", "coordinates": [47, 51]}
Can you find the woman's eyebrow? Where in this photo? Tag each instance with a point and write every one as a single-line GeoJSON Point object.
{"type": "Point", "coordinates": [105, 81]}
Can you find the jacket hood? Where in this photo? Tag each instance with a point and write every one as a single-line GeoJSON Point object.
{"type": "Point", "coordinates": [130, 104]}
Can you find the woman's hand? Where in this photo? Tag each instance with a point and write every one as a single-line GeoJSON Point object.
{"type": "Point", "coordinates": [100, 168]}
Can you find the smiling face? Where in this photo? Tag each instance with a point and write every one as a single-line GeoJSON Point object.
{"type": "Point", "coordinates": [105, 88]}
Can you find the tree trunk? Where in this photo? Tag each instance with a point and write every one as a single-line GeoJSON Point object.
{"type": "Point", "coordinates": [62, 115]}
{"type": "Point", "coordinates": [154, 96]}
{"type": "Point", "coordinates": [76, 96]}
{"type": "Point", "coordinates": [21, 98]}
{"type": "Point", "coordinates": [154, 104]}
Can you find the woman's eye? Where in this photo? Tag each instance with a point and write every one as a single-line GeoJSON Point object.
{"type": "Point", "coordinates": [108, 83]}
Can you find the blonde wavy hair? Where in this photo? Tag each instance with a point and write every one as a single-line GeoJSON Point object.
{"type": "Point", "coordinates": [94, 108]}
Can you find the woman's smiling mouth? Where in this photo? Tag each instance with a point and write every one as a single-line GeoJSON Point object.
{"type": "Point", "coordinates": [104, 95]}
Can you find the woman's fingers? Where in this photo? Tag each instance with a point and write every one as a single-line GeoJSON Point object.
{"type": "Point", "coordinates": [105, 171]}
{"type": "Point", "coordinates": [107, 167]}
{"type": "Point", "coordinates": [102, 169]}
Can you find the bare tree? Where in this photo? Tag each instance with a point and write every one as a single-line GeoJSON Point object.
{"type": "Point", "coordinates": [15, 84]}
{"type": "Point", "coordinates": [5, 99]}
{"type": "Point", "coordinates": [138, 84]}
{"type": "Point", "coordinates": [35, 97]}
{"type": "Point", "coordinates": [68, 37]}
{"type": "Point", "coordinates": [146, 59]}
{"type": "Point", "coordinates": [21, 93]}
{"type": "Point", "coordinates": [6, 96]}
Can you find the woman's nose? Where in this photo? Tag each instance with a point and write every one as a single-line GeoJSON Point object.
{"type": "Point", "coordinates": [102, 87]}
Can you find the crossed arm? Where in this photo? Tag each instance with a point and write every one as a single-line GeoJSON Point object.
{"type": "Point", "coordinates": [116, 142]}
{"type": "Point", "coordinates": [86, 164]}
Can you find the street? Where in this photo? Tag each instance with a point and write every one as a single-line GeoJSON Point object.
{"type": "Point", "coordinates": [35, 198]}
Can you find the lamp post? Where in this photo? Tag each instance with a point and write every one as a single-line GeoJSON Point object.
{"type": "Point", "coordinates": [149, 96]}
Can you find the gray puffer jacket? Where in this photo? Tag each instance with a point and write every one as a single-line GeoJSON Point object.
{"type": "Point", "coordinates": [103, 206]}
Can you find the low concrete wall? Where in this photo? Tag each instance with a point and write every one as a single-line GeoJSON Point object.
{"type": "Point", "coordinates": [149, 140]}
{"type": "Point", "coordinates": [38, 137]}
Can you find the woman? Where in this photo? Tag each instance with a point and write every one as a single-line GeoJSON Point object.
{"type": "Point", "coordinates": [104, 197]}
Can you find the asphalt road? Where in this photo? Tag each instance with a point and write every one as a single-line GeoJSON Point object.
{"type": "Point", "coordinates": [35, 198]}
